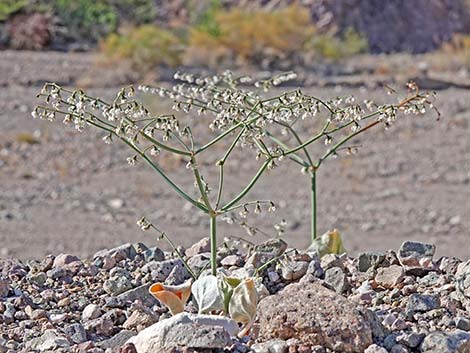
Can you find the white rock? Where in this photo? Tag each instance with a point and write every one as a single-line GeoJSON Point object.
{"type": "Point", "coordinates": [157, 337]}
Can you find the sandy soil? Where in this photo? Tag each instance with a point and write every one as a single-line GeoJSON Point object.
{"type": "Point", "coordinates": [71, 193]}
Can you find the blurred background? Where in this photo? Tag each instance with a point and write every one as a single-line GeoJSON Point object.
{"type": "Point", "coordinates": [62, 191]}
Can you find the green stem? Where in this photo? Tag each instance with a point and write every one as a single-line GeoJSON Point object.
{"type": "Point", "coordinates": [213, 241]}
{"type": "Point", "coordinates": [314, 205]}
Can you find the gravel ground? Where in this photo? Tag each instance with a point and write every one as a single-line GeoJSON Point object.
{"type": "Point", "coordinates": [71, 193]}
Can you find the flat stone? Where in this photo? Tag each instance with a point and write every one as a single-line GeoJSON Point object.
{"type": "Point", "coordinates": [462, 276]}
{"type": "Point", "coordinates": [76, 332]}
{"type": "Point", "coordinates": [419, 303]}
{"type": "Point", "coordinates": [373, 348]}
{"type": "Point", "coordinates": [331, 260]}
{"type": "Point", "coordinates": [202, 246]}
{"type": "Point", "coordinates": [272, 346]}
{"type": "Point", "coordinates": [293, 270]}
{"type": "Point", "coordinates": [369, 260]}
{"type": "Point", "coordinates": [389, 277]}
{"type": "Point", "coordinates": [90, 312]}
{"type": "Point", "coordinates": [337, 279]}
{"type": "Point", "coordinates": [37, 278]}
{"type": "Point", "coordinates": [64, 259]}
{"type": "Point", "coordinates": [117, 340]}
{"type": "Point", "coordinates": [117, 285]}
{"type": "Point", "coordinates": [139, 320]}
{"type": "Point", "coordinates": [232, 260]}
{"type": "Point", "coordinates": [186, 330]}
{"type": "Point", "coordinates": [314, 315]}
{"type": "Point", "coordinates": [50, 340]}
{"type": "Point", "coordinates": [440, 342]}
{"type": "Point", "coordinates": [416, 254]}
{"type": "Point", "coordinates": [139, 293]}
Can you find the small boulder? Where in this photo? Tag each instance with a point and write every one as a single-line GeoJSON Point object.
{"type": "Point", "coordinates": [440, 342]}
{"type": "Point", "coordinates": [314, 315]}
{"type": "Point", "coordinates": [389, 277]}
{"type": "Point", "coordinates": [202, 246]}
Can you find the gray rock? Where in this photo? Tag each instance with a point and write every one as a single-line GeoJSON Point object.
{"type": "Point", "coordinates": [100, 326]}
{"type": "Point", "coordinates": [154, 254]}
{"type": "Point", "coordinates": [117, 340]}
{"type": "Point", "coordinates": [314, 268]}
{"type": "Point", "coordinates": [140, 319]}
{"type": "Point", "coordinates": [140, 293]}
{"type": "Point", "coordinates": [76, 332]}
{"type": "Point", "coordinates": [398, 348]}
{"type": "Point", "coordinates": [202, 246]}
{"type": "Point", "coordinates": [336, 278]}
{"type": "Point", "coordinates": [4, 288]}
{"type": "Point", "coordinates": [199, 261]}
{"type": "Point", "coordinates": [160, 270]}
{"type": "Point", "coordinates": [37, 278]}
{"type": "Point", "coordinates": [91, 311]}
{"type": "Point", "coordinates": [462, 323]}
{"type": "Point", "coordinates": [271, 346]}
{"type": "Point", "coordinates": [421, 303]}
{"type": "Point", "coordinates": [411, 340]}
{"type": "Point", "coordinates": [232, 260]}
{"type": "Point", "coordinates": [416, 254]}
{"type": "Point", "coordinates": [331, 260]}
{"type": "Point", "coordinates": [369, 260]}
{"type": "Point", "coordinates": [186, 330]}
{"type": "Point", "coordinates": [440, 342]}
{"type": "Point", "coordinates": [50, 340]}
{"type": "Point", "coordinates": [462, 276]}
{"type": "Point", "coordinates": [117, 285]}
{"type": "Point", "coordinates": [265, 252]}
{"type": "Point", "coordinates": [293, 270]}
{"type": "Point", "coordinates": [373, 348]}
{"type": "Point", "coordinates": [314, 315]}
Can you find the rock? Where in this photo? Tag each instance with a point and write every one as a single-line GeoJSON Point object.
{"type": "Point", "coordinates": [140, 293]}
{"type": "Point", "coordinates": [331, 260]}
{"type": "Point", "coordinates": [160, 270]}
{"type": "Point", "coordinates": [314, 315]}
{"type": "Point", "coordinates": [462, 276]}
{"type": "Point", "coordinates": [389, 277]}
{"type": "Point", "coordinates": [232, 260]}
{"type": "Point", "coordinates": [369, 260]}
{"type": "Point", "coordinates": [416, 254]}
{"type": "Point", "coordinates": [272, 346]}
{"type": "Point", "coordinates": [202, 246]}
{"type": "Point", "coordinates": [64, 259]}
{"type": "Point", "coordinates": [422, 303]}
{"type": "Point", "coordinates": [37, 278]}
{"type": "Point", "coordinates": [116, 203]}
{"type": "Point", "coordinates": [101, 326]}
{"type": "Point", "coordinates": [91, 311]}
{"type": "Point", "coordinates": [199, 262]}
{"type": "Point", "coordinates": [128, 348]}
{"type": "Point", "coordinates": [398, 348]}
{"type": "Point", "coordinates": [117, 285]}
{"type": "Point", "coordinates": [440, 342]}
{"type": "Point", "coordinates": [186, 330]}
{"type": "Point", "coordinates": [293, 270]}
{"type": "Point", "coordinates": [373, 348]}
{"type": "Point", "coordinates": [265, 252]}
{"type": "Point", "coordinates": [273, 276]}
{"type": "Point", "coordinates": [139, 320]}
{"type": "Point", "coordinates": [411, 340]}
{"type": "Point", "coordinates": [117, 340]}
{"type": "Point", "coordinates": [50, 340]}
{"type": "Point", "coordinates": [154, 254]}
{"type": "Point", "coordinates": [76, 333]}
{"type": "Point", "coordinates": [462, 323]}
{"type": "Point", "coordinates": [4, 288]}
{"type": "Point", "coordinates": [336, 279]}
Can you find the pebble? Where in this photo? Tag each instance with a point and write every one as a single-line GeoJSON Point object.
{"type": "Point", "coordinates": [422, 303]}
{"type": "Point", "coordinates": [293, 270]}
{"type": "Point", "coordinates": [91, 311]}
{"type": "Point", "coordinates": [202, 246]}
{"type": "Point", "coordinates": [369, 260]}
{"type": "Point", "coordinates": [337, 279]}
{"type": "Point", "coordinates": [117, 285]}
{"type": "Point", "coordinates": [389, 277]}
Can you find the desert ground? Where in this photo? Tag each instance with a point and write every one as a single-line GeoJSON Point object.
{"type": "Point", "coordinates": [62, 191]}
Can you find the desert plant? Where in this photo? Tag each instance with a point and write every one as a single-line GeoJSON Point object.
{"type": "Point", "coordinates": [144, 47]}
{"type": "Point", "coordinates": [127, 120]}
{"type": "Point", "coordinates": [273, 126]}
{"type": "Point", "coordinates": [250, 36]}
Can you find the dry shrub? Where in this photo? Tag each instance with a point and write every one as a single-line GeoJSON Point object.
{"type": "Point", "coordinates": [143, 48]}
{"type": "Point", "coordinates": [250, 36]}
{"type": "Point", "coordinates": [29, 31]}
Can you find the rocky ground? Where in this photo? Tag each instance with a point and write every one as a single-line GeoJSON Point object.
{"type": "Point", "coordinates": [378, 302]}
{"type": "Point", "coordinates": [67, 192]}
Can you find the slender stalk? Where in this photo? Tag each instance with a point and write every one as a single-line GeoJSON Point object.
{"type": "Point", "coordinates": [200, 186]}
{"type": "Point", "coordinates": [213, 241]}
{"type": "Point", "coordinates": [313, 196]}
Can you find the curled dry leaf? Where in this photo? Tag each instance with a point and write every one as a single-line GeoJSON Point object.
{"type": "Point", "coordinates": [174, 297]}
{"type": "Point", "coordinates": [243, 303]}
{"type": "Point", "coordinates": [207, 295]}
{"type": "Point", "coordinates": [328, 243]}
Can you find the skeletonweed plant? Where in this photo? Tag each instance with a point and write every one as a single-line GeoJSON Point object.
{"type": "Point", "coordinates": [275, 126]}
